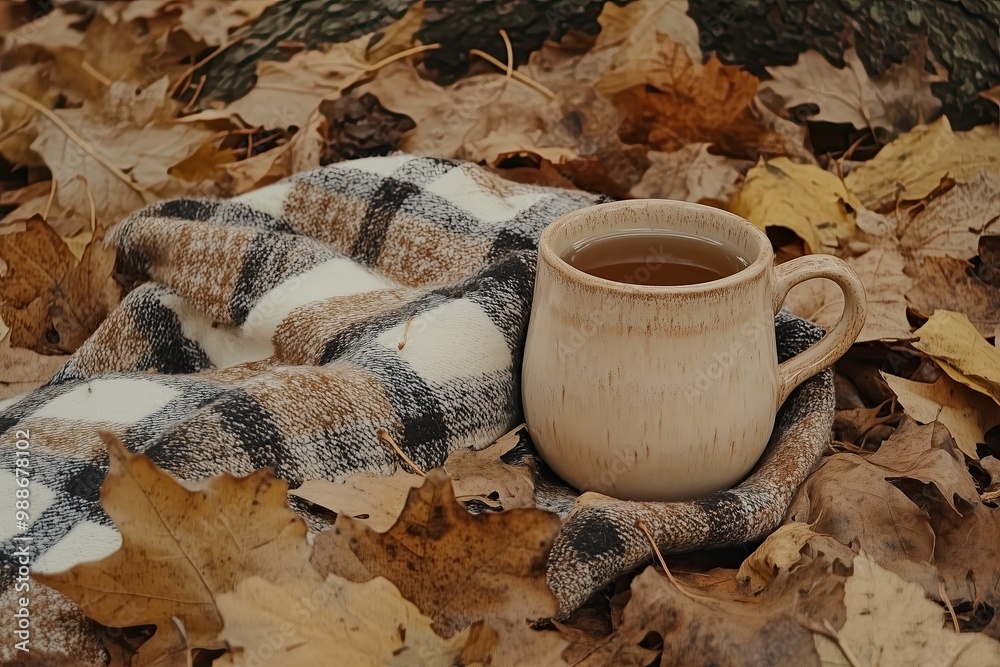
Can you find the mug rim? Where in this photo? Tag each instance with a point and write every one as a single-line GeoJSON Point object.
{"type": "Point", "coordinates": [765, 253]}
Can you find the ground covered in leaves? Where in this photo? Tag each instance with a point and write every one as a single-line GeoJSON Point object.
{"type": "Point", "coordinates": [890, 553]}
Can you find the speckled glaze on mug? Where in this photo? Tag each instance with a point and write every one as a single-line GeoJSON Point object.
{"type": "Point", "coordinates": [665, 393]}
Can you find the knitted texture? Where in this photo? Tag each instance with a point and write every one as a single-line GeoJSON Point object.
{"type": "Point", "coordinates": [285, 327]}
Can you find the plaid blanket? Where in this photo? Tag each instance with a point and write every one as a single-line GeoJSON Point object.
{"type": "Point", "coordinates": [285, 327]}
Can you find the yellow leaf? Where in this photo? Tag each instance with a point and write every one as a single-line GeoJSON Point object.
{"type": "Point", "coordinates": [375, 500]}
{"type": "Point", "coordinates": [807, 200]}
{"type": "Point", "coordinates": [966, 413]}
{"type": "Point", "coordinates": [912, 166]}
{"type": "Point", "coordinates": [961, 351]}
{"type": "Point", "coordinates": [181, 548]}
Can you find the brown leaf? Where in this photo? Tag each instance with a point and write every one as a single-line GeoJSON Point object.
{"type": "Point", "coordinates": [887, 616]}
{"type": "Point", "coordinates": [967, 413]}
{"type": "Point", "coordinates": [881, 273]}
{"type": "Point", "coordinates": [941, 283]}
{"type": "Point", "coordinates": [684, 102]}
{"type": "Point", "coordinates": [22, 370]}
{"type": "Point", "coordinates": [375, 500]}
{"type": "Point", "coordinates": [181, 548]}
{"type": "Point", "coordinates": [896, 100]}
{"type": "Point", "coordinates": [690, 174]}
{"type": "Point", "coordinates": [456, 567]}
{"type": "Point", "coordinates": [482, 473]}
{"type": "Point", "coordinates": [722, 625]}
{"type": "Point", "coordinates": [51, 301]}
{"type": "Point", "coordinates": [287, 93]}
{"type": "Point", "coordinates": [132, 133]}
{"type": "Point", "coordinates": [851, 498]}
{"type": "Point", "coordinates": [302, 622]}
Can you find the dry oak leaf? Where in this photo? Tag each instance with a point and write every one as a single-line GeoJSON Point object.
{"type": "Point", "coordinates": [207, 22]}
{"type": "Point", "coordinates": [811, 202]}
{"type": "Point", "coordinates": [483, 473]}
{"type": "Point", "coordinates": [782, 550]}
{"type": "Point", "coordinates": [376, 500]}
{"type": "Point", "coordinates": [891, 623]}
{"type": "Point", "coordinates": [714, 622]}
{"type": "Point", "coordinates": [913, 165]}
{"type": "Point", "coordinates": [949, 283]}
{"type": "Point", "coordinates": [633, 32]}
{"type": "Point", "coordinates": [183, 547]}
{"type": "Point", "coordinates": [881, 271]}
{"type": "Point", "coordinates": [22, 370]}
{"type": "Point", "coordinates": [457, 567]}
{"type": "Point", "coordinates": [897, 100]}
{"type": "Point", "coordinates": [302, 622]}
{"type": "Point", "coordinates": [690, 174]}
{"type": "Point", "coordinates": [961, 351]}
{"type": "Point", "coordinates": [51, 301]}
{"type": "Point", "coordinates": [966, 413]}
{"type": "Point", "coordinates": [850, 497]}
{"type": "Point", "coordinates": [18, 121]}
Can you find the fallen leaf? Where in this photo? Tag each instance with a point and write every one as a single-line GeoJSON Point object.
{"type": "Point", "coordinates": [952, 223]}
{"type": "Point", "coordinates": [897, 99]}
{"type": "Point", "coordinates": [912, 166]}
{"type": "Point", "coordinates": [858, 499]}
{"type": "Point", "coordinates": [780, 551]}
{"type": "Point", "coordinates": [302, 622]}
{"type": "Point", "coordinates": [483, 473]}
{"type": "Point", "coordinates": [881, 273]}
{"type": "Point", "coordinates": [705, 626]}
{"type": "Point", "coordinates": [136, 143]}
{"type": "Point", "coordinates": [51, 301]}
{"type": "Point", "coordinates": [18, 121]}
{"type": "Point", "coordinates": [397, 36]}
{"type": "Point", "coordinates": [631, 32]}
{"type": "Point", "coordinates": [941, 283]}
{"type": "Point", "coordinates": [287, 93]}
{"type": "Point", "coordinates": [811, 202]}
{"type": "Point", "coordinates": [206, 22]}
{"type": "Point", "coordinates": [967, 413]}
{"type": "Point", "coordinates": [22, 370]}
{"type": "Point", "coordinates": [690, 174]}
{"type": "Point", "coordinates": [677, 101]}
{"type": "Point", "coordinates": [376, 500]}
{"type": "Point", "coordinates": [891, 622]}
{"type": "Point", "coordinates": [359, 126]}
{"type": "Point", "coordinates": [455, 566]}
{"type": "Point", "coordinates": [303, 152]}
{"type": "Point", "coordinates": [960, 350]}
{"type": "Point", "coordinates": [181, 548]}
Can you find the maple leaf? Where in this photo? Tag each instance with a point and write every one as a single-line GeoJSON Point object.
{"type": "Point", "coordinates": [691, 173]}
{"type": "Point", "coordinates": [181, 548]}
{"type": "Point", "coordinates": [941, 283]}
{"type": "Point", "coordinates": [897, 99]}
{"type": "Point", "coordinates": [457, 567]}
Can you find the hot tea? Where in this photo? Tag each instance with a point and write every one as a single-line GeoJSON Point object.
{"type": "Point", "coordinates": [657, 257]}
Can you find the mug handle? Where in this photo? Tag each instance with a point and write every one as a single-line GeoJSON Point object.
{"type": "Point", "coordinates": [835, 343]}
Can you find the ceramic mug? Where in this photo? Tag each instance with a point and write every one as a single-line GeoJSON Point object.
{"type": "Point", "coordinates": [644, 392]}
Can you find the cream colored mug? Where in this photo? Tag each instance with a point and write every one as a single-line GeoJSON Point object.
{"type": "Point", "coordinates": [644, 392]}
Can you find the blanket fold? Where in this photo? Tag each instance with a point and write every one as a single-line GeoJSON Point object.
{"type": "Point", "coordinates": [285, 327]}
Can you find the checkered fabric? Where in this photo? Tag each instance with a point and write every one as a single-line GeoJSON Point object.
{"type": "Point", "coordinates": [284, 328]}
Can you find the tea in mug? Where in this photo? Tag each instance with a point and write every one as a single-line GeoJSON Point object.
{"type": "Point", "coordinates": [658, 257]}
